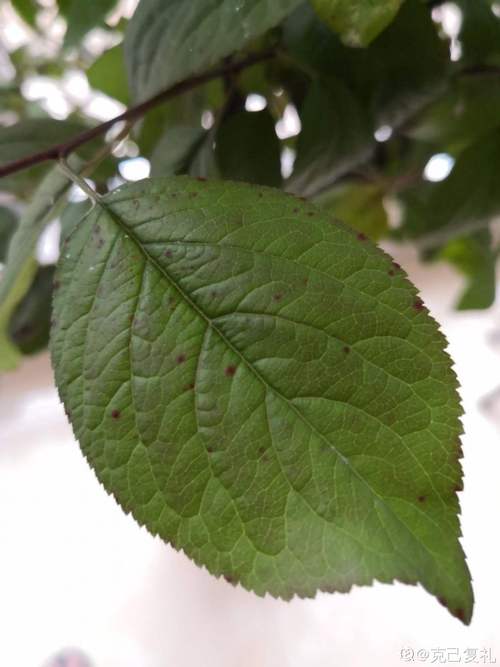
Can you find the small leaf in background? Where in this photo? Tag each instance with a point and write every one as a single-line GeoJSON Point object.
{"type": "Point", "coordinates": [358, 22]}
{"type": "Point", "coordinates": [360, 205]}
{"type": "Point", "coordinates": [169, 40]}
{"type": "Point", "coordinates": [479, 35]}
{"type": "Point", "coordinates": [20, 266]}
{"type": "Point", "coordinates": [29, 325]}
{"type": "Point", "coordinates": [468, 109]}
{"type": "Point", "coordinates": [175, 150]}
{"type": "Point", "coordinates": [8, 225]}
{"type": "Point", "coordinates": [474, 257]}
{"type": "Point", "coordinates": [336, 136]}
{"type": "Point", "coordinates": [108, 74]}
{"type": "Point", "coordinates": [468, 198]}
{"type": "Point", "coordinates": [248, 149]}
{"type": "Point", "coordinates": [263, 388]}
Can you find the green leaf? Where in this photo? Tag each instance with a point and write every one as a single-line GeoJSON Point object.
{"type": "Point", "coordinates": [390, 80]}
{"type": "Point", "coordinates": [360, 205]}
{"type": "Point", "coordinates": [474, 256]}
{"type": "Point", "coordinates": [30, 323]}
{"type": "Point", "coordinates": [31, 136]}
{"type": "Point", "coordinates": [468, 198]}
{"type": "Point", "coordinates": [248, 149]}
{"type": "Point", "coordinates": [83, 16]}
{"type": "Point", "coordinates": [170, 40]}
{"type": "Point", "coordinates": [480, 33]}
{"type": "Point", "coordinates": [108, 74]}
{"type": "Point", "coordinates": [8, 224]}
{"type": "Point", "coordinates": [71, 216]}
{"type": "Point", "coordinates": [20, 267]}
{"type": "Point", "coordinates": [358, 22]}
{"type": "Point", "coordinates": [262, 388]}
{"type": "Point", "coordinates": [336, 136]}
{"type": "Point", "coordinates": [468, 110]}
{"type": "Point", "coordinates": [27, 10]}
{"type": "Point", "coordinates": [175, 150]}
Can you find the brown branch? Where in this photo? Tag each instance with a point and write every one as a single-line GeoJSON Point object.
{"type": "Point", "coordinates": [131, 115]}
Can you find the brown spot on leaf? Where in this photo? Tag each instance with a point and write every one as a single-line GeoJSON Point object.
{"type": "Point", "coordinates": [347, 349]}
{"type": "Point", "coordinates": [362, 237]}
{"type": "Point", "coordinates": [392, 272]}
{"type": "Point", "coordinates": [459, 613]}
{"type": "Point", "coordinates": [181, 358]}
{"type": "Point", "coordinates": [230, 371]}
{"type": "Point", "coordinates": [396, 266]}
{"type": "Point", "coordinates": [278, 296]}
{"type": "Point", "coordinates": [418, 304]}
{"type": "Point", "coordinates": [168, 253]}
{"type": "Point", "coordinates": [202, 179]}
{"type": "Point", "coordinates": [116, 414]}
{"type": "Point", "coordinates": [422, 499]}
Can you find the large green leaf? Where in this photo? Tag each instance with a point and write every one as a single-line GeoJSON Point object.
{"type": "Point", "coordinates": [169, 40]}
{"type": "Point", "coordinates": [357, 21]}
{"type": "Point", "coordinates": [263, 388]}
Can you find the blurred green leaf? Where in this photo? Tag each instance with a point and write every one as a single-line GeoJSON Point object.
{"type": "Point", "coordinates": [358, 22]}
{"type": "Point", "coordinates": [474, 256]}
{"type": "Point", "coordinates": [82, 16]}
{"type": "Point", "coordinates": [175, 150]}
{"type": "Point", "coordinates": [480, 33]}
{"type": "Point", "coordinates": [466, 111]}
{"type": "Point", "coordinates": [29, 326]}
{"type": "Point", "coordinates": [336, 136]}
{"type": "Point", "coordinates": [108, 74]}
{"type": "Point", "coordinates": [247, 149]}
{"type": "Point", "coordinates": [21, 266]}
{"type": "Point", "coordinates": [395, 76]}
{"type": "Point", "coordinates": [27, 10]}
{"type": "Point", "coordinates": [360, 205]}
{"type": "Point", "coordinates": [8, 225]}
{"type": "Point", "coordinates": [169, 40]}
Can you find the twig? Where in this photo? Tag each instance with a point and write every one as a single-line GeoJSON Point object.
{"type": "Point", "coordinates": [132, 115]}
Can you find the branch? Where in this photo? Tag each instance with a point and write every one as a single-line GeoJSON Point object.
{"type": "Point", "coordinates": [61, 151]}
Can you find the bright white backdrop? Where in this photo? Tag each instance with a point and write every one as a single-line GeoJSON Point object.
{"type": "Point", "coordinates": [75, 571]}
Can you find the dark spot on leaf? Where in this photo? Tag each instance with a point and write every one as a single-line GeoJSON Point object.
{"type": "Point", "coordinates": [392, 273]}
{"type": "Point", "coordinates": [229, 579]}
{"type": "Point", "coordinates": [459, 613]}
{"type": "Point", "coordinates": [168, 253]}
{"type": "Point", "coordinates": [210, 450]}
{"type": "Point", "coordinates": [347, 349]}
{"type": "Point", "coordinates": [181, 358]}
{"type": "Point", "coordinates": [458, 487]}
{"type": "Point", "coordinates": [278, 296]}
{"type": "Point", "coordinates": [230, 371]}
{"type": "Point", "coordinates": [422, 499]}
{"type": "Point", "coordinates": [192, 195]}
{"type": "Point", "coordinates": [443, 601]}
{"type": "Point", "coordinates": [362, 237]}
{"type": "Point", "coordinates": [116, 414]}
{"type": "Point", "coordinates": [396, 266]}
{"type": "Point", "coordinates": [310, 214]}
{"type": "Point", "coordinates": [56, 284]}
{"type": "Point", "coordinates": [295, 210]}
{"type": "Point", "coordinates": [189, 386]}
{"type": "Point", "coordinates": [262, 450]}
{"type": "Point", "coordinates": [202, 179]}
{"type": "Point", "coordinates": [418, 304]}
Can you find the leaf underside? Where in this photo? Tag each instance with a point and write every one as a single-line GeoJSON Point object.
{"type": "Point", "coordinates": [262, 387]}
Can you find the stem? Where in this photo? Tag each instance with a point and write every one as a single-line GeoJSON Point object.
{"type": "Point", "coordinates": [132, 114]}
